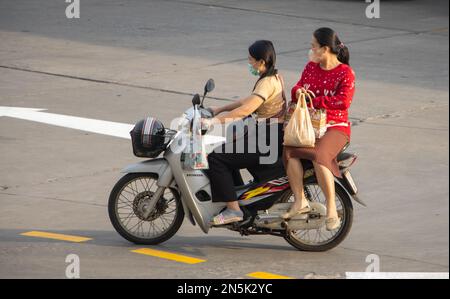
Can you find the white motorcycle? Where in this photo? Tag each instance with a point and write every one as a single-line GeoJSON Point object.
{"type": "Point", "coordinates": [149, 203]}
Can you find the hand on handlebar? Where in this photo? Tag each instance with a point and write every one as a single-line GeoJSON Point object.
{"type": "Point", "coordinates": [206, 123]}
{"type": "Point", "coordinates": [213, 110]}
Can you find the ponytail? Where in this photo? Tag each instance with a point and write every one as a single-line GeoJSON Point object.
{"type": "Point", "coordinates": [343, 54]}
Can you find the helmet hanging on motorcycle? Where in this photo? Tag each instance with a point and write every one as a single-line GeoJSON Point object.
{"type": "Point", "coordinates": [148, 138]}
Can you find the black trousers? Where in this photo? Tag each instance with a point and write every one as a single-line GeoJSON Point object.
{"type": "Point", "coordinates": [224, 166]}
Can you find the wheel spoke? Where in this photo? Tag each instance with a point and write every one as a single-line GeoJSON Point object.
{"type": "Point", "coordinates": [129, 219]}
{"type": "Point", "coordinates": [132, 193]}
{"type": "Point", "coordinates": [317, 236]}
{"type": "Point", "coordinates": [131, 228]}
{"type": "Point", "coordinates": [128, 203]}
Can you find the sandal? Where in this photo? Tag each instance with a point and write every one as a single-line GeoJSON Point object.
{"type": "Point", "coordinates": [333, 223]}
{"type": "Point", "coordinates": [291, 213]}
{"type": "Point", "coordinates": [227, 216]}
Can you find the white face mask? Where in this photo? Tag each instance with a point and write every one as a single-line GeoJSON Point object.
{"type": "Point", "coordinates": [312, 56]}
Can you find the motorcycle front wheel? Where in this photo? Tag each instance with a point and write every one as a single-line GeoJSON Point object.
{"type": "Point", "coordinates": [126, 210]}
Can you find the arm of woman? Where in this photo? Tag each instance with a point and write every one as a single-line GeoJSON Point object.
{"type": "Point", "coordinates": [228, 107]}
{"type": "Point", "coordinates": [247, 106]}
{"type": "Point", "coordinates": [263, 90]}
{"type": "Point", "coordinates": [295, 90]}
{"type": "Point", "coordinates": [343, 97]}
{"type": "Point", "coordinates": [298, 88]}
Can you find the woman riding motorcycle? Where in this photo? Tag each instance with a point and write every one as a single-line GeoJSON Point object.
{"type": "Point", "coordinates": [267, 102]}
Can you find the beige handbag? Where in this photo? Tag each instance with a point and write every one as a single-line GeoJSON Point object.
{"type": "Point", "coordinates": [318, 117]}
{"type": "Point", "coordinates": [299, 131]}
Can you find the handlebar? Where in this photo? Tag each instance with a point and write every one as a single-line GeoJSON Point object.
{"type": "Point", "coordinates": [205, 112]}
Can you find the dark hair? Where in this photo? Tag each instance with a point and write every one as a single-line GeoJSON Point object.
{"type": "Point", "coordinates": [328, 37]}
{"type": "Point", "coordinates": [264, 50]}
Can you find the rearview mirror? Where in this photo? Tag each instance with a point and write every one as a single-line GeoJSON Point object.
{"type": "Point", "coordinates": [209, 86]}
{"type": "Point", "coordinates": [196, 100]}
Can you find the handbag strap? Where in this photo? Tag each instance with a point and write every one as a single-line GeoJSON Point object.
{"type": "Point", "coordinates": [302, 101]}
{"type": "Point", "coordinates": [310, 94]}
{"type": "Point", "coordinates": [284, 109]}
{"type": "Point", "coordinates": [283, 94]}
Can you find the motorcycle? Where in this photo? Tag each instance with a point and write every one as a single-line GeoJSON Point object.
{"type": "Point", "coordinates": [149, 203]}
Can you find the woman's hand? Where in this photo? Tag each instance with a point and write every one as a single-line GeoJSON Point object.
{"type": "Point", "coordinates": [309, 94]}
{"type": "Point", "coordinates": [216, 110]}
{"type": "Point", "coordinates": [206, 123]}
{"type": "Point", "coordinates": [299, 92]}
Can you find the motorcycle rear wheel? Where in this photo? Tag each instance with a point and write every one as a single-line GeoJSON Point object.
{"type": "Point", "coordinates": [322, 240]}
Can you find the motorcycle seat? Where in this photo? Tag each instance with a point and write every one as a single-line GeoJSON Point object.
{"type": "Point", "coordinates": [267, 171]}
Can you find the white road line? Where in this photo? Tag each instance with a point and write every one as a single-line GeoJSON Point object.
{"type": "Point", "coordinates": [79, 123]}
{"type": "Point", "coordinates": [397, 275]}
{"type": "Point", "coordinates": [103, 127]}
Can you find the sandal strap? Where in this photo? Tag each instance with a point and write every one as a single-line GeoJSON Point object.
{"type": "Point", "coordinates": [219, 219]}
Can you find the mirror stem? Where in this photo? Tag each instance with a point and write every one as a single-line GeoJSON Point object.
{"type": "Point", "coordinates": [201, 104]}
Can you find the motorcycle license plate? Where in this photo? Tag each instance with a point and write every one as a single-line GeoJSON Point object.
{"type": "Point", "coordinates": [351, 183]}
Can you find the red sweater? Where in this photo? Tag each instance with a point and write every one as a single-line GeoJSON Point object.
{"type": "Point", "coordinates": [334, 91]}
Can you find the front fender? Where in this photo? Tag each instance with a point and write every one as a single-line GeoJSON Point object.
{"type": "Point", "coordinates": [161, 168]}
{"type": "Point", "coordinates": [157, 166]}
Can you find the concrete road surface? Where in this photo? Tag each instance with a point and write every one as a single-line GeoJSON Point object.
{"type": "Point", "coordinates": [123, 60]}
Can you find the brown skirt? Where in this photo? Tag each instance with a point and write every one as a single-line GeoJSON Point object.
{"type": "Point", "coordinates": [324, 152]}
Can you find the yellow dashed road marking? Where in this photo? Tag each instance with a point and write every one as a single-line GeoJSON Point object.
{"type": "Point", "coordinates": [54, 236]}
{"type": "Point", "coordinates": [169, 256]}
{"type": "Point", "coordinates": [265, 275]}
